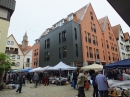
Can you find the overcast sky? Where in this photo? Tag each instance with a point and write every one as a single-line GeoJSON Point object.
{"type": "Point", "coordinates": [35, 16]}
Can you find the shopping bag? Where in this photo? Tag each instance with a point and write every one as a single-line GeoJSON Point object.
{"type": "Point", "coordinates": [72, 84]}
{"type": "Point", "coordinates": [86, 85]}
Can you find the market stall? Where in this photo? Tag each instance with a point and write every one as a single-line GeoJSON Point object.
{"type": "Point", "coordinates": [93, 67]}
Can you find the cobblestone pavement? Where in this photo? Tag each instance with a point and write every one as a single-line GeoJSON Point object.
{"type": "Point", "coordinates": [44, 91]}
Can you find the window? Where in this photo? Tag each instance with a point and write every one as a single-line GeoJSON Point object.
{"type": "Point", "coordinates": [76, 46]}
{"type": "Point", "coordinates": [96, 40]}
{"type": "Point", "coordinates": [85, 36]}
{"type": "Point", "coordinates": [94, 53]}
{"type": "Point", "coordinates": [18, 56]}
{"type": "Point", "coordinates": [128, 48]}
{"type": "Point", "coordinates": [97, 53]}
{"type": "Point", "coordinates": [104, 55]}
{"type": "Point", "coordinates": [13, 56]}
{"type": "Point", "coordinates": [91, 26]}
{"type": "Point", "coordinates": [8, 42]}
{"type": "Point", "coordinates": [12, 43]}
{"type": "Point", "coordinates": [48, 42]}
{"type": "Point", "coordinates": [17, 64]}
{"type": "Point", "coordinates": [93, 38]}
{"type": "Point", "coordinates": [108, 27]}
{"type": "Point", "coordinates": [91, 15]}
{"type": "Point", "coordinates": [107, 44]}
{"type": "Point", "coordinates": [91, 54]}
{"type": "Point", "coordinates": [48, 56]}
{"type": "Point", "coordinates": [59, 37]}
{"type": "Point", "coordinates": [89, 38]}
{"type": "Point", "coordinates": [63, 36]}
{"type": "Point", "coordinates": [87, 51]}
{"type": "Point", "coordinates": [109, 56]}
{"type": "Point", "coordinates": [45, 44]}
{"type": "Point", "coordinates": [113, 56]}
{"type": "Point", "coordinates": [75, 33]}
{"type": "Point", "coordinates": [28, 60]}
{"type": "Point", "coordinates": [59, 53]}
{"type": "Point", "coordinates": [123, 54]}
{"type": "Point", "coordinates": [122, 39]}
{"type": "Point", "coordinates": [94, 28]}
{"type": "Point", "coordinates": [64, 51]}
{"type": "Point", "coordinates": [122, 47]}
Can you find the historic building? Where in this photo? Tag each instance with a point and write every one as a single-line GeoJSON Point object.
{"type": "Point", "coordinates": [79, 39]}
{"type": "Point", "coordinates": [35, 54]}
{"type": "Point", "coordinates": [7, 8]}
{"type": "Point", "coordinates": [14, 52]}
{"type": "Point", "coordinates": [119, 35]}
{"type": "Point", "coordinates": [110, 52]}
{"type": "Point", "coordinates": [127, 43]}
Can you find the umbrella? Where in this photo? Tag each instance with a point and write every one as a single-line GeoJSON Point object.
{"type": "Point", "coordinates": [27, 70]}
{"type": "Point", "coordinates": [93, 67]}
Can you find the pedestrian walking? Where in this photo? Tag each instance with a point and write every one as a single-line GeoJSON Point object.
{"type": "Point", "coordinates": [95, 87]}
{"type": "Point", "coordinates": [36, 79]}
{"type": "Point", "coordinates": [102, 83]}
{"type": "Point", "coordinates": [20, 82]}
{"type": "Point", "coordinates": [81, 79]}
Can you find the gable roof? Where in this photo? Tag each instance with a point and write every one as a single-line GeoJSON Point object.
{"type": "Point", "coordinates": [101, 22]}
{"type": "Point", "coordinates": [126, 36]}
{"type": "Point", "coordinates": [16, 42]}
{"type": "Point", "coordinates": [116, 30]}
{"type": "Point", "coordinates": [81, 12]}
{"type": "Point", "coordinates": [24, 50]}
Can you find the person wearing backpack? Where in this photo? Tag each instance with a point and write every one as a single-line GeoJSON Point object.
{"type": "Point", "coordinates": [36, 78]}
{"type": "Point", "coordinates": [81, 79]}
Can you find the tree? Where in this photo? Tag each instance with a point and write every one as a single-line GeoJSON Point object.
{"type": "Point", "coordinates": [5, 65]}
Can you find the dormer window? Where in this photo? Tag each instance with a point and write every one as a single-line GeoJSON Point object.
{"type": "Point", "coordinates": [70, 17]}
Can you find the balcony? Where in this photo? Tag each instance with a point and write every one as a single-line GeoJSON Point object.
{"type": "Point", "coordinates": [11, 52]}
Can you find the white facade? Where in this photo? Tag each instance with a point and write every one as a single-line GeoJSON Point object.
{"type": "Point", "coordinates": [28, 60]}
{"type": "Point", "coordinates": [127, 43]}
{"type": "Point", "coordinates": [122, 45]}
{"type": "Point", "coordinates": [14, 52]}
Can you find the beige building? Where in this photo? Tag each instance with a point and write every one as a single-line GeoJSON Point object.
{"type": "Point", "coordinates": [6, 10]}
{"type": "Point", "coordinates": [14, 52]}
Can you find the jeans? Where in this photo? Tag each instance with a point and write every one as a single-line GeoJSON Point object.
{"type": "Point", "coordinates": [105, 92]}
{"type": "Point", "coordinates": [75, 83]}
{"type": "Point", "coordinates": [36, 83]}
{"type": "Point", "coordinates": [95, 91]}
{"type": "Point", "coordinates": [81, 92]}
{"type": "Point", "coordinates": [19, 88]}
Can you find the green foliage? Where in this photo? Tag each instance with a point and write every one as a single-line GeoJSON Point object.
{"type": "Point", "coordinates": [5, 62]}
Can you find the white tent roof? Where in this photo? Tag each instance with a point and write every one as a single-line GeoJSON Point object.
{"type": "Point", "coordinates": [35, 69]}
{"type": "Point", "coordinates": [62, 66]}
{"type": "Point", "coordinates": [93, 67]}
{"type": "Point", "coordinates": [43, 69]}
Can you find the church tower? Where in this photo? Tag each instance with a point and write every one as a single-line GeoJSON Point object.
{"type": "Point", "coordinates": [25, 41]}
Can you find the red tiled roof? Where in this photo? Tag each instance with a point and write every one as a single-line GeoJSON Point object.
{"type": "Point", "coordinates": [116, 30]}
{"type": "Point", "coordinates": [24, 50]}
{"type": "Point", "coordinates": [126, 36]}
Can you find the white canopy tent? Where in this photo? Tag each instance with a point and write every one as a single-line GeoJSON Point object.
{"type": "Point", "coordinates": [93, 67]}
{"type": "Point", "coordinates": [35, 69]}
{"type": "Point", "coordinates": [62, 66]}
{"type": "Point", "coordinates": [43, 69]}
